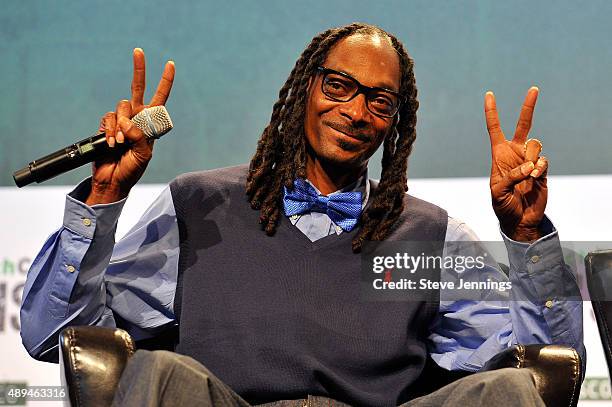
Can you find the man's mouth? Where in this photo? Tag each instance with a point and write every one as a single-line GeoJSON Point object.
{"type": "Point", "coordinates": [348, 131]}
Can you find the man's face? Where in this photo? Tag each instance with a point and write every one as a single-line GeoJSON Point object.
{"type": "Point", "coordinates": [347, 133]}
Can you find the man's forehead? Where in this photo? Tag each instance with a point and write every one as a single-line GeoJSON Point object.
{"type": "Point", "coordinates": [371, 59]}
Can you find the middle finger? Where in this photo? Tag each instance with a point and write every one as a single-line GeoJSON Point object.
{"type": "Point", "coordinates": [524, 122]}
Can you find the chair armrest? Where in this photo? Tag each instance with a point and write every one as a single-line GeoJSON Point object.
{"type": "Point", "coordinates": [92, 359]}
{"type": "Point", "coordinates": [556, 370]}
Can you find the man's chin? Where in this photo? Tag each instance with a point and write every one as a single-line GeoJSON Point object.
{"type": "Point", "coordinates": [343, 158]}
{"type": "Point", "coordinates": [348, 146]}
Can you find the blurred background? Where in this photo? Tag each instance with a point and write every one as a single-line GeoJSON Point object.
{"type": "Point", "coordinates": [65, 63]}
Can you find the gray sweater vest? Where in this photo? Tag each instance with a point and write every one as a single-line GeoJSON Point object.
{"type": "Point", "coordinates": [281, 317]}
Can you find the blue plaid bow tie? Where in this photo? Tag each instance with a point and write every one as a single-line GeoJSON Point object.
{"type": "Point", "coordinates": [342, 208]}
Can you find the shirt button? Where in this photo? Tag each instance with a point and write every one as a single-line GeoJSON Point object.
{"type": "Point", "coordinates": [87, 222]}
{"type": "Point", "coordinates": [535, 259]}
{"type": "Point", "coordinates": [549, 304]}
{"type": "Point", "coordinates": [70, 268]}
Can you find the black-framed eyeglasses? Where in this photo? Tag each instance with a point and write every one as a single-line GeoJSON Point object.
{"type": "Point", "coordinates": [342, 87]}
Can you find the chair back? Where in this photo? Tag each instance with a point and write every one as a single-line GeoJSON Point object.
{"type": "Point", "coordinates": [598, 268]}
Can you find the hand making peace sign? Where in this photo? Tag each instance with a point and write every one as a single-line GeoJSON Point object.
{"type": "Point", "coordinates": [113, 177]}
{"type": "Point", "coordinates": [518, 173]}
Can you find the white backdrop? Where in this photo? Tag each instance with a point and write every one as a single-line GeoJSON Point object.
{"type": "Point", "coordinates": [577, 206]}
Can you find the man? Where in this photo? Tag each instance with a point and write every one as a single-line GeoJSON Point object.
{"type": "Point", "coordinates": [281, 318]}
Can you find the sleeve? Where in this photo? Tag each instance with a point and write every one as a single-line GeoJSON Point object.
{"type": "Point", "coordinates": [467, 333]}
{"type": "Point", "coordinates": [81, 277]}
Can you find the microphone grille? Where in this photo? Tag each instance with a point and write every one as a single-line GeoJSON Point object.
{"type": "Point", "coordinates": [153, 121]}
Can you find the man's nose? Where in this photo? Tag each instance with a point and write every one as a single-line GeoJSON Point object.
{"type": "Point", "coordinates": [356, 109]}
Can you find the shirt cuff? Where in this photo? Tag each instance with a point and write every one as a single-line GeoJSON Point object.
{"type": "Point", "coordinates": [547, 247]}
{"type": "Point", "coordinates": [538, 271]}
{"type": "Point", "coordinates": [83, 219]}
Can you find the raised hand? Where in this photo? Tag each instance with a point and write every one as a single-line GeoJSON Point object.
{"type": "Point", "coordinates": [114, 176]}
{"type": "Point", "coordinates": [518, 174]}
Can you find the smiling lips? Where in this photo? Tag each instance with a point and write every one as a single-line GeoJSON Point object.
{"type": "Point", "coordinates": [348, 131]}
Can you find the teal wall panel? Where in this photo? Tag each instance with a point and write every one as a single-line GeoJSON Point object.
{"type": "Point", "coordinates": [63, 64]}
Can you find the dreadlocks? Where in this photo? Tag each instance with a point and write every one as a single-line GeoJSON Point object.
{"type": "Point", "coordinates": [281, 151]}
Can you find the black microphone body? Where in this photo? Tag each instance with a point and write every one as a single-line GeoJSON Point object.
{"type": "Point", "coordinates": [154, 122]}
{"type": "Point", "coordinates": [66, 159]}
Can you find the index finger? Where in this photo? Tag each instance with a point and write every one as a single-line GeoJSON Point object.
{"type": "Point", "coordinates": [165, 85]}
{"type": "Point", "coordinates": [139, 79]}
{"type": "Point", "coordinates": [495, 132]}
{"type": "Point", "coordinates": [524, 122]}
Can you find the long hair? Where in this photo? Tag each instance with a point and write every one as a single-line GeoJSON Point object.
{"type": "Point", "coordinates": [281, 151]}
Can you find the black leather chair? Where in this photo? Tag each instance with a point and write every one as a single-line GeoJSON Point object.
{"type": "Point", "coordinates": [598, 269]}
{"type": "Point", "coordinates": [91, 362]}
{"type": "Point", "coordinates": [93, 358]}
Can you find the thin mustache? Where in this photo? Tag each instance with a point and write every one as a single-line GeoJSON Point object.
{"type": "Point", "coordinates": [348, 130]}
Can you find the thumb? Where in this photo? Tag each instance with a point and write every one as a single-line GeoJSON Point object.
{"type": "Point", "coordinates": [140, 143]}
{"type": "Point", "coordinates": [516, 175]}
{"type": "Point", "coordinates": [129, 129]}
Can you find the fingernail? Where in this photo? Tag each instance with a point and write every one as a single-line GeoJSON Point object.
{"type": "Point", "coordinates": [535, 173]}
{"type": "Point", "coordinates": [119, 137]}
{"type": "Point", "coordinates": [111, 142]}
{"type": "Point", "coordinates": [527, 168]}
{"type": "Point", "coordinates": [534, 140]}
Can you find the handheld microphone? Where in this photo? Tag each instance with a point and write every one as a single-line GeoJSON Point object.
{"type": "Point", "coordinates": [153, 121]}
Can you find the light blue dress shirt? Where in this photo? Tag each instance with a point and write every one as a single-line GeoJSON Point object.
{"type": "Point", "coordinates": [81, 277]}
